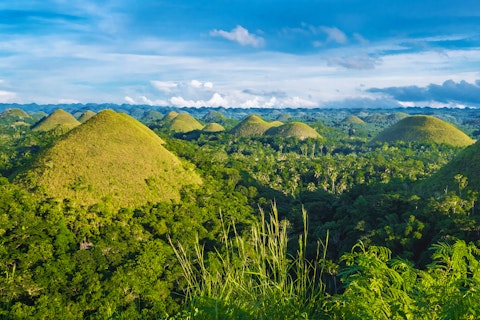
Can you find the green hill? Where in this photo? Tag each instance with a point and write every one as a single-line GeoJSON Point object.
{"type": "Point", "coordinates": [151, 115]}
{"type": "Point", "coordinates": [424, 129]}
{"type": "Point", "coordinates": [353, 120]}
{"type": "Point", "coordinates": [214, 116]}
{"type": "Point", "coordinates": [293, 129]}
{"type": "Point", "coordinates": [184, 123]}
{"type": "Point", "coordinates": [16, 117]}
{"type": "Point", "coordinates": [59, 119]}
{"type": "Point", "coordinates": [253, 125]}
{"type": "Point", "coordinates": [86, 115]}
{"type": "Point", "coordinates": [111, 156]}
{"type": "Point", "coordinates": [466, 164]}
{"type": "Point", "coordinates": [170, 116]}
{"type": "Point", "coordinates": [213, 127]}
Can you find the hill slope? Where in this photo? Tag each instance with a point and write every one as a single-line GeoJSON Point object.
{"type": "Point", "coordinates": [59, 119]}
{"type": "Point", "coordinates": [466, 163]}
{"type": "Point", "coordinates": [86, 115]}
{"type": "Point", "coordinates": [213, 127]}
{"type": "Point", "coordinates": [183, 123]}
{"type": "Point", "coordinates": [424, 129]}
{"type": "Point", "coordinates": [293, 129]}
{"type": "Point", "coordinates": [253, 125]}
{"type": "Point", "coordinates": [111, 156]}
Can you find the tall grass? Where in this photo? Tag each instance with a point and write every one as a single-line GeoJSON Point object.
{"type": "Point", "coordinates": [252, 276]}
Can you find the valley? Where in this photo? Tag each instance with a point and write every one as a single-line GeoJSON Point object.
{"type": "Point", "coordinates": [140, 212]}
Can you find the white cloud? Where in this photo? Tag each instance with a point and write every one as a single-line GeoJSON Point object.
{"type": "Point", "coordinates": [165, 86]}
{"type": "Point", "coordinates": [6, 96]}
{"type": "Point", "coordinates": [334, 34]}
{"type": "Point", "coordinates": [216, 100]}
{"type": "Point", "coordinates": [241, 36]}
{"type": "Point", "coordinates": [208, 85]}
{"type": "Point", "coordinates": [195, 83]}
{"type": "Point", "coordinates": [130, 100]}
{"type": "Point", "coordinates": [68, 101]}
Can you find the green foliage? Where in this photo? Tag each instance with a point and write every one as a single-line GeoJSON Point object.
{"type": "Point", "coordinates": [253, 276]}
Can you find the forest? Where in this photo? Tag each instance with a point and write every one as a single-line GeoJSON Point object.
{"type": "Point", "coordinates": [247, 214]}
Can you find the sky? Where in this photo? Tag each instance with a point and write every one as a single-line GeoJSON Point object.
{"type": "Point", "coordinates": [255, 53]}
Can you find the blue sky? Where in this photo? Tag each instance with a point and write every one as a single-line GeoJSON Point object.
{"type": "Point", "coordinates": [318, 53]}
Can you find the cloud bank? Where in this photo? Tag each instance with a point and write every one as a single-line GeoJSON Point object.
{"type": "Point", "coordinates": [450, 93]}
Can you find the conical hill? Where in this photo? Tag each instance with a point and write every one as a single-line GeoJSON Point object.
{"type": "Point", "coordinates": [299, 130]}
{"type": "Point", "coordinates": [184, 122]}
{"type": "Point", "coordinates": [59, 119]}
{"type": "Point", "coordinates": [111, 156]}
{"type": "Point", "coordinates": [253, 125]}
{"type": "Point", "coordinates": [213, 127]}
{"type": "Point", "coordinates": [465, 165]}
{"type": "Point", "coordinates": [353, 120]}
{"type": "Point", "coordinates": [424, 129]}
{"type": "Point", "coordinates": [16, 117]}
{"type": "Point", "coordinates": [86, 115]}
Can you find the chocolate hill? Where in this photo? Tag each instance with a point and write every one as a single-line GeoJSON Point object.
{"type": "Point", "coordinates": [110, 157]}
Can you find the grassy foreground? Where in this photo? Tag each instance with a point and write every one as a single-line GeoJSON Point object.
{"type": "Point", "coordinates": [253, 277]}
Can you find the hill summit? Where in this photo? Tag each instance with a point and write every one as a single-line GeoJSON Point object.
{"type": "Point", "coordinates": [181, 122]}
{"type": "Point", "coordinates": [253, 125]}
{"type": "Point", "coordinates": [299, 130]}
{"type": "Point", "coordinates": [111, 156]}
{"type": "Point", "coordinates": [424, 129]}
{"type": "Point", "coordinates": [59, 119]}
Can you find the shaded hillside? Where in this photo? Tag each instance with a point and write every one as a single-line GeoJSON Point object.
{"type": "Point", "coordinates": [465, 165]}
{"type": "Point", "coordinates": [111, 156]}
{"type": "Point", "coordinates": [170, 116]}
{"type": "Point", "coordinates": [424, 129]}
{"type": "Point", "coordinates": [213, 127]}
{"type": "Point", "coordinates": [253, 125]}
{"type": "Point", "coordinates": [15, 115]}
{"type": "Point", "coordinates": [59, 119]}
{"type": "Point", "coordinates": [299, 130]}
{"type": "Point", "coordinates": [214, 116]}
{"type": "Point", "coordinates": [86, 115]}
{"type": "Point", "coordinates": [151, 115]}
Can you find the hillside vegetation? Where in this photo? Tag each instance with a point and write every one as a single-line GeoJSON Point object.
{"type": "Point", "coordinates": [425, 129]}
{"type": "Point", "coordinates": [299, 130]}
{"type": "Point", "coordinates": [111, 157]}
{"type": "Point", "coordinates": [253, 125]}
{"type": "Point", "coordinates": [58, 120]}
{"type": "Point", "coordinates": [111, 219]}
{"type": "Point", "coordinates": [181, 122]}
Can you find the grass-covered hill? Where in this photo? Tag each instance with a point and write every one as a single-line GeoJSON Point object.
{"type": "Point", "coordinates": [14, 115]}
{"type": "Point", "coordinates": [353, 120]}
{"type": "Point", "coordinates": [299, 130]}
{"type": "Point", "coordinates": [213, 127]}
{"type": "Point", "coordinates": [462, 172]}
{"type": "Point", "coordinates": [253, 125]}
{"type": "Point", "coordinates": [424, 129]}
{"type": "Point", "coordinates": [86, 115]}
{"type": "Point", "coordinates": [214, 116]}
{"type": "Point", "coordinates": [111, 156]}
{"type": "Point", "coordinates": [59, 119]}
{"type": "Point", "coordinates": [182, 122]}
{"type": "Point", "coordinates": [151, 115]}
